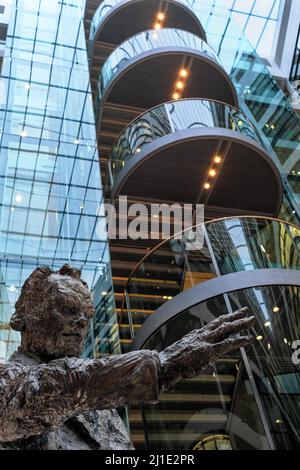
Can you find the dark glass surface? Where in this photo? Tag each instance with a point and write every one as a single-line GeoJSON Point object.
{"type": "Point", "coordinates": [270, 355]}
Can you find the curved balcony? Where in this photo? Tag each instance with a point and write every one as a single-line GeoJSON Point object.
{"type": "Point", "coordinates": [143, 71]}
{"type": "Point", "coordinates": [117, 20]}
{"type": "Point", "coordinates": [236, 254]}
{"type": "Point", "coordinates": [166, 154]}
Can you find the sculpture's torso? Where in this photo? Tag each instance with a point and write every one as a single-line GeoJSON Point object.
{"type": "Point", "coordinates": [97, 430]}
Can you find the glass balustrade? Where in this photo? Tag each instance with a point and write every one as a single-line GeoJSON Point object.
{"type": "Point", "coordinates": [105, 8]}
{"type": "Point", "coordinates": [149, 41]}
{"type": "Point", "coordinates": [172, 117]}
{"type": "Point", "coordinates": [224, 402]}
{"type": "Point", "coordinates": [230, 245]}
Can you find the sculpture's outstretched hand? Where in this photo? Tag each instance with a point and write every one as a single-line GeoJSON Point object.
{"type": "Point", "coordinates": [197, 350]}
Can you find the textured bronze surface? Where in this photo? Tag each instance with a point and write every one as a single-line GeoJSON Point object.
{"type": "Point", "coordinates": [52, 399]}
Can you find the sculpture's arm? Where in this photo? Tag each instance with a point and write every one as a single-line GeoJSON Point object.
{"type": "Point", "coordinates": [199, 349]}
{"type": "Point", "coordinates": [43, 397]}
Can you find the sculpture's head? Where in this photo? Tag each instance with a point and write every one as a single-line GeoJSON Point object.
{"type": "Point", "coordinates": [53, 313]}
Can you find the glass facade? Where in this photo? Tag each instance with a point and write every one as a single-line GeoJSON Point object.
{"type": "Point", "coordinates": [257, 19]}
{"type": "Point", "coordinates": [50, 187]}
{"type": "Point", "coordinates": [260, 97]}
{"type": "Point", "coordinates": [295, 72]}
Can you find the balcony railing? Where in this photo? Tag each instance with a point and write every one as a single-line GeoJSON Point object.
{"type": "Point", "coordinates": [172, 117]}
{"type": "Point", "coordinates": [230, 245]}
{"type": "Point", "coordinates": [105, 9]}
{"type": "Point", "coordinates": [149, 41]}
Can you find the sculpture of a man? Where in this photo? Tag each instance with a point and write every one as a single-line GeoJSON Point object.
{"type": "Point", "coordinates": [52, 399]}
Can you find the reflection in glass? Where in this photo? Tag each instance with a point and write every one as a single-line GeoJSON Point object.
{"type": "Point", "coordinates": [218, 403]}
{"type": "Point", "coordinates": [235, 244]}
{"type": "Point", "coordinates": [173, 117]}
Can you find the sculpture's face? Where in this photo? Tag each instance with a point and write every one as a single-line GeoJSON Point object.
{"type": "Point", "coordinates": [64, 310]}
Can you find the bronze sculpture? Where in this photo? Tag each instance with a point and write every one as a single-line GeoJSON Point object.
{"type": "Point", "coordinates": [52, 399]}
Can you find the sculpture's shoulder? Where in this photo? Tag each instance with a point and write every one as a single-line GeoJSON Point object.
{"type": "Point", "coordinates": [10, 369]}
{"type": "Point", "coordinates": [12, 373]}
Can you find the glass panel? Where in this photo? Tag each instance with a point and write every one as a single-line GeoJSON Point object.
{"type": "Point", "coordinates": [271, 357]}
{"type": "Point", "coordinates": [210, 410]}
{"type": "Point", "coordinates": [236, 244]}
{"type": "Point", "coordinates": [148, 41]}
{"type": "Point", "coordinates": [48, 154]}
{"type": "Point", "coordinates": [173, 117]}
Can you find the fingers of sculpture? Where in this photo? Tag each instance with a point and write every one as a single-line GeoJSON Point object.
{"type": "Point", "coordinates": [199, 357]}
{"type": "Point", "coordinates": [228, 318]}
{"type": "Point", "coordinates": [231, 344]}
{"type": "Point", "coordinates": [195, 352]}
{"type": "Point", "coordinates": [228, 328]}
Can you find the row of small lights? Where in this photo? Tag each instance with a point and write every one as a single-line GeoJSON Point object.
{"type": "Point", "coordinates": [167, 297]}
{"type": "Point", "coordinates": [180, 83]}
{"type": "Point", "coordinates": [24, 134]}
{"type": "Point", "coordinates": [160, 17]}
{"type": "Point", "coordinates": [183, 73]}
{"type": "Point", "coordinates": [268, 325]}
{"type": "Point", "coordinates": [213, 172]}
{"type": "Point", "coordinates": [179, 87]}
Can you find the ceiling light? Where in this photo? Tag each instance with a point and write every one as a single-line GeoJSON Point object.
{"type": "Point", "coordinates": [285, 340]}
{"type": "Point", "coordinates": [183, 73]}
{"type": "Point", "coordinates": [23, 134]}
{"type": "Point", "coordinates": [240, 123]}
{"type": "Point", "coordinates": [278, 421]}
{"type": "Point", "coordinates": [218, 159]}
{"type": "Point", "coordinates": [176, 96]}
{"type": "Point", "coordinates": [76, 141]}
{"type": "Point", "coordinates": [161, 16]}
{"type": "Point", "coordinates": [104, 292]}
{"type": "Point", "coordinates": [276, 309]}
{"type": "Point", "coordinates": [212, 172]}
{"type": "Point", "coordinates": [259, 338]}
{"type": "Point", "coordinates": [18, 198]}
{"type": "Point", "coordinates": [12, 288]}
{"type": "Point", "coordinates": [267, 324]}
{"type": "Point", "coordinates": [27, 86]}
{"type": "Point", "coordinates": [207, 186]}
{"type": "Point", "coordinates": [157, 26]}
{"type": "Point", "coordinates": [179, 85]}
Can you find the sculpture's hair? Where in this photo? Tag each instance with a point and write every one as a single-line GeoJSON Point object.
{"type": "Point", "coordinates": [32, 289]}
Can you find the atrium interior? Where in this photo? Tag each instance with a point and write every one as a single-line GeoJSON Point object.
{"type": "Point", "coordinates": [163, 102]}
